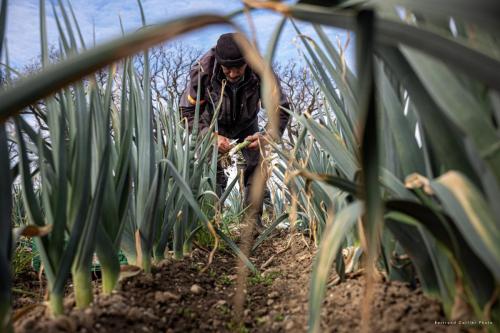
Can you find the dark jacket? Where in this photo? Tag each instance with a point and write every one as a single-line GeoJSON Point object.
{"type": "Point", "coordinates": [240, 103]}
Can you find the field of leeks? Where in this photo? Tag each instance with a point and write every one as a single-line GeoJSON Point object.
{"type": "Point", "coordinates": [403, 158]}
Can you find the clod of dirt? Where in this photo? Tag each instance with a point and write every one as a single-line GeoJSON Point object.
{"type": "Point", "coordinates": [165, 296]}
{"type": "Point", "coordinates": [196, 289]}
{"type": "Point", "coordinates": [63, 324]}
{"type": "Point", "coordinates": [220, 303]}
{"type": "Point", "coordinates": [274, 294]}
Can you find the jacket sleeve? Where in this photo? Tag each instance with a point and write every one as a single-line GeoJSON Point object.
{"type": "Point", "coordinates": [187, 103]}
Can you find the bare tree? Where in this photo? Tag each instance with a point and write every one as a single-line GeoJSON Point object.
{"type": "Point", "coordinates": [299, 86]}
{"type": "Point", "coordinates": [169, 66]}
{"type": "Point", "coordinates": [303, 94]}
{"type": "Point", "coordinates": [35, 65]}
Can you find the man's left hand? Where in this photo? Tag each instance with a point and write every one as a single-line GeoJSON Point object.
{"type": "Point", "coordinates": [256, 140]}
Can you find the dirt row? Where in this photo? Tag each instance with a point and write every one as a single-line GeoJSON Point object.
{"type": "Point", "coordinates": [178, 297]}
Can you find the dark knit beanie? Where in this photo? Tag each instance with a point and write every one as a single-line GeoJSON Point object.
{"type": "Point", "coordinates": [227, 52]}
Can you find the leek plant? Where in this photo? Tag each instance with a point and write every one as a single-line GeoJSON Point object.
{"type": "Point", "coordinates": [168, 201]}
{"type": "Point", "coordinates": [190, 201]}
{"type": "Point", "coordinates": [5, 211]}
{"type": "Point", "coordinates": [148, 177]}
{"type": "Point", "coordinates": [73, 174]}
{"type": "Point", "coordinates": [191, 155]}
{"type": "Point", "coordinates": [118, 181]}
{"type": "Point", "coordinates": [414, 136]}
{"type": "Point", "coordinates": [100, 168]}
{"type": "Point", "coordinates": [405, 149]}
{"type": "Point", "coordinates": [6, 235]}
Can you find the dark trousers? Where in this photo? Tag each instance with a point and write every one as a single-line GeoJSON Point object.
{"type": "Point", "coordinates": [251, 161]}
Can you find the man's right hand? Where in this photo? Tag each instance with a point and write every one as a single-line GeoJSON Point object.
{"type": "Point", "coordinates": [223, 144]}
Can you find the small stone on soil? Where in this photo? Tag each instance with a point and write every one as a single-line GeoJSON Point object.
{"type": "Point", "coordinates": [196, 289]}
{"type": "Point", "coordinates": [270, 270]}
{"type": "Point", "coordinates": [165, 296]}
{"type": "Point", "coordinates": [261, 311]}
{"type": "Point", "coordinates": [220, 303]}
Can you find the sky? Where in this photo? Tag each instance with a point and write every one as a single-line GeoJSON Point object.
{"type": "Point", "coordinates": [23, 26]}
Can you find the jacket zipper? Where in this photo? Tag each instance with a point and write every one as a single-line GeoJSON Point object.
{"type": "Point", "coordinates": [233, 104]}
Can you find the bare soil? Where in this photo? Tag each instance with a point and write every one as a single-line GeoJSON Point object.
{"type": "Point", "coordinates": [28, 289]}
{"type": "Point", "coordinates": [178, 297]}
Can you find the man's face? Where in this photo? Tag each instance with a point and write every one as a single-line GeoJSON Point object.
{"type": "Point", "coordinates": [234, 74]}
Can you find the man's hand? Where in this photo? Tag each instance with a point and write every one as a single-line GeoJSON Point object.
{"type": "Point", "coordinates": [256, 140]}
{"type": "Point", "coordinates": [223, 144]}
